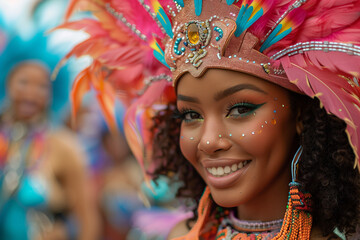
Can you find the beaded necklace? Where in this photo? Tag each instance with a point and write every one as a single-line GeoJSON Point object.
{"type": "Point", "coordinates": [20, 146]}
{"type": "Point", "coordinates": [233, 228]}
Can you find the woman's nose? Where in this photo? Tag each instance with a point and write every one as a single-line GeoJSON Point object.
{"type": "Point", "coordinates": [214, 137]}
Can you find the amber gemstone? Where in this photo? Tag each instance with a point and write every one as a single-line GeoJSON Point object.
{"type": "Point", "coordinates": [193, 33]}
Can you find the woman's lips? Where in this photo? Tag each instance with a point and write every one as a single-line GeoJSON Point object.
{"type": "Point", "coordinates": [223, 173]}
{"type": "Point", "coordinates": [27, 108]}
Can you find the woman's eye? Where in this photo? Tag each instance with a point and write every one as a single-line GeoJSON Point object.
{"type": "Point", "coordinates": [242, 109]}
{"type": "Point", "coordinates": [191, 116]}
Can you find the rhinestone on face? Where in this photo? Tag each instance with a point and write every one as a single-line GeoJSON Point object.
{"type": "Point", "coordinates": [193, 33]}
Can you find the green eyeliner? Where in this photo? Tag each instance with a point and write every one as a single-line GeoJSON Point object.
{"type": "Point", "coordinates": [252, 107]}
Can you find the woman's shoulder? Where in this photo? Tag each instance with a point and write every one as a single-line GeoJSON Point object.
{"type": "Point", "coordinates": [180, 229]}
{"type": "Point", "coordinates": [64, 137]}
{"type": "Point", "coordinates": [64, 147]}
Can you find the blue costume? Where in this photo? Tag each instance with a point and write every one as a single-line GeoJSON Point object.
{"type": "Point", "coordinates": [24, 195]}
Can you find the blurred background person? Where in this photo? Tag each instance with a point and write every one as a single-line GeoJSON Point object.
{"type": "Point", "coordinates": [115, 174]}
{"type": "Point", "coordinates": [113, 179]}
{"type": "Point", "coordinates": [44, 193]}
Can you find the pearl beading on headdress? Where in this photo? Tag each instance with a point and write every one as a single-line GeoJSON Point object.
{"type": "Point", "coordinates": [325, 46]}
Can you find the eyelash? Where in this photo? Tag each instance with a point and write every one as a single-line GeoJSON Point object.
{"type": "Point", "coordinates": [234, 104]}
{"type": "Point", "coordinates": [250, 108]}
{"type": "Point", "coordinates": [181, 114]}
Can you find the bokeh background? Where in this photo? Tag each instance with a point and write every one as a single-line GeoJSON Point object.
{"type": "Point", "coordinates": [106, 197]}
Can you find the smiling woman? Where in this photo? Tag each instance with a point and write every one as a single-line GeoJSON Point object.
{"type": "Point", "coordinates": [29, 90]}
{"type": "Point", "coordinates": [240, 135]}
{"type": "Point", "coordinates": [262, 138]}
{"type": "Point", "coordinates": [256, 109]}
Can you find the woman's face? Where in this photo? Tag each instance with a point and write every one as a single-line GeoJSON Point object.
{"type": "Point", "coordinates": [29, 91]}
{"type": "Point", "coordinates": [238, 131]}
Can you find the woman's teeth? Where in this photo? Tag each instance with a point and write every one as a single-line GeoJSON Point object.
{"type": "Point", "coordinates": [223, 171]}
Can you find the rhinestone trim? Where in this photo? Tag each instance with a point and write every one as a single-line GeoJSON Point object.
{"type": "Point", "coordinates": [324, 46]}
{"type": "Point", "coordinates": [121, 17]}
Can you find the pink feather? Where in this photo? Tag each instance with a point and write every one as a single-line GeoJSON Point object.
{"type": "Point", "coordinates": [336, 94]}
{"type": "Point", "coordinates": [136, 14]}
{"type": "Point", "coordinates": [337, 62]}
{"type": "Point", "coordinates": [330, 20]}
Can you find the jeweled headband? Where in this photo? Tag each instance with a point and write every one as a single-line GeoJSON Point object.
{"type": "Point", "coordinates": [203, 39]}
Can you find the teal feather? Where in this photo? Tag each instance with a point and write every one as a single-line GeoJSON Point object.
{"type": "Point", "coordinates": [254, 18]}
{"type": "Point", "coordinates": [165, 22]}
{"type": "Point", "coordinates": [160, 55]}
{"type": "Point", "coordinates": [271, 36]}
{"type": "Point", "coordinates": [250, 13]}
{"type": "Point", "coordinates": [229, 2]}
{"type": "Point", "coordinates": [242, 19]}
{"type": "Point", "coordinates": [198, 7]}
{"type": "Point", "coordinates": [180, 2]}
{"type": "Point", "coordinates": [285, 27]}
{"type": "Point", "coordinates": [160, 58]}
{"type": "Point", "coordinates": [272, 39]}
{"type": "Point", "coordinates": [280, 36]}
{"type": "Point", "coordinates": [246, 16]}
{"type": "Point", "coordinates": [241, 12]}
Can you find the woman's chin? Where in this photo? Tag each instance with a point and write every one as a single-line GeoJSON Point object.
{"type": "Point", "coordinates": [27, 116]}
{"type": "Point", "coordinates": [226, 198]}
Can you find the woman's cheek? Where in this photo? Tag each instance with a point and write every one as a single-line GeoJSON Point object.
{"type": "Point", "coordinates": [189, 139]}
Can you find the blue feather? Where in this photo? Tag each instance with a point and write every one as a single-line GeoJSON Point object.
{"type": "Point", "coordinates": [160, 58]}
{"type": "Point", "coordinates": [254, 18]}
{"type": "Point", "coordinates": [274, 38]}
{"type": "Point", "coordinates": [249, 14]}
{"type": "Point", "coordinates": [271, 36]}
{"type": "Point", "coordinates": [280, 36]}
{"type": "Point", "coordinates": [241, 12]}
{"type": "Point", "coordinates": [198, 7]}
{"type": "Point", "coordinates": [241, 20]}
{"type": "Point", "coordinates": [180, 2]}
{"type": "Point", "coordinates": [229, 2]}
{"type": "Point", "coordinates": [160, 55]}
{"type": "Point", "coordinates": [165, 22]}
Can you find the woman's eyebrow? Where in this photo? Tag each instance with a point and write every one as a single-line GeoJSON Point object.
{"type": "Point", "coordinates": [231, 90]}
{"type": "Point", "coordinates": [187, 98]}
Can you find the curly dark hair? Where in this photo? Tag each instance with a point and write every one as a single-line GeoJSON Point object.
{"type": "Point", "coordinates": [326, 168]}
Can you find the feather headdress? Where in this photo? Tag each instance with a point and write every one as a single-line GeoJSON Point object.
{"type": "Point", "coordinates": [307, 46]}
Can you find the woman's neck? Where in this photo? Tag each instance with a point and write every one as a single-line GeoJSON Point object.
{"type": "Point", "coordinates": [270, 204]}
{"type": "Point", "coordinates": [9, 118]}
